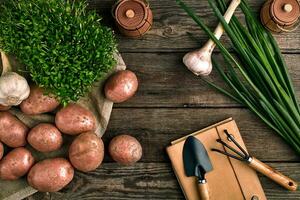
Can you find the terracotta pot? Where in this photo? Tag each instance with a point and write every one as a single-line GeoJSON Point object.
{"type": "Point", "coordinates": [280, 15]}
{"type": "Point", "coordinates": [133, 17]}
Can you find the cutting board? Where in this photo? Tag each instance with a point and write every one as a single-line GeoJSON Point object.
{"type": "Point", "coordinates": [94, 101]}
{"type": "Point", "coordinates": [230, 179]}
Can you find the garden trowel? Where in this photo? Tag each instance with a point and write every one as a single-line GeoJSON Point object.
{"type": "Point", "coordinates": [197, 163]}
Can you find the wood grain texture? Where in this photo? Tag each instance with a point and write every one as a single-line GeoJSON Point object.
{"type": "Point", "coordinates": [165, 82]}
{"type": "Point", "coordinates": [171, 24]}
{"type": "Point", "coordinates": [156, 128]}
{"type": "Point", "coordinates": [148, 181]}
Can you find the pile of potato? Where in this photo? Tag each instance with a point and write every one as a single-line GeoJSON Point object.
{"type": "Point", "coordinates": [86, 151]}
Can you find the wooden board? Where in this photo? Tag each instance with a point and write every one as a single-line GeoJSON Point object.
{"type": "Point", "coordinates": [171, 102]}
{"type": "Point", "coordinates": [148, 181]}
{"type": "Point", "coordinates": [94, 101]}
{"type": "Point", "coordinates": [166, 82]}
{"type": "Point", "coordinates": [171, 25]}
{"type": "Point", "coordinates": [156, 128]}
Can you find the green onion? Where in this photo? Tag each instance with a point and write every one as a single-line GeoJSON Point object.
{"type": "Point", "coordinates": [256, 73]}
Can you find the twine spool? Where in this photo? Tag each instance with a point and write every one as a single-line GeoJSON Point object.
{"type": "Point", "coordinates": [133, 17]}
{"type": "Point", "coordinates": [280, 15]}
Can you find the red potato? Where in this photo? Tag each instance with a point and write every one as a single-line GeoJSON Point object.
{"type": "Point", "coordinates": [86, 152]}
{"type": "Point", "coordinates": [4, 108]}
{"type": "Point", "coordinates": [121, 86]}
{"type": "Point", "coordinates": [45, 138]}
{"type": "Point", "coordinates": [1, 150]}
{"type": "Point", "coordinates": [16, 164]}
{"type": "Point", "coordinates": [12, 131]}
{"type": "Point", "coordinates": [75, 119]}
{"type": "Point", "coordinates": [125, 149]}
{"type": "Point", "coordinates": [38, 102]}
{"type": "Point", "coordinates": [50, 175]}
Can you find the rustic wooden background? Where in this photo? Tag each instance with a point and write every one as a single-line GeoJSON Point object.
{"type": "Point", "coordinates": [170, 103]}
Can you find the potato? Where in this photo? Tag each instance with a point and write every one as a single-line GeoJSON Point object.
{"type": "Point", "coordinates": [86, 152]}
{"type": "Point", "coordinates": [74, 119]}
{"type": "Point", "coordinates": [4, 108]}
{"type": "Point", "coordinates": [16, 164]}
{"type": "Point", "coordinates": [12, 131]}
{"type": "Point", "coordinates": [1, 150]}
{"type": "Point", "coordinates": [50, 175]}
{"type": "Point", "coordinates": [45, 138]}
{"type": "Point", "coordinates": [38, 102]}
{"type": "Point", "coordinates": [125, 149]}
{"type": "Point", "coordinates": [121, 86]}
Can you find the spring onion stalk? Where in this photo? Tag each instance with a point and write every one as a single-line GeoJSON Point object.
{"type": "Point", "coordinates": [255, 73]}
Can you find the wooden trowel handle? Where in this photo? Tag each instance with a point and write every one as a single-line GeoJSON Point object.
{"type": "Point", "coordinates": [271, 173]}
{"type": "Point", "coordinates": [203, 191]}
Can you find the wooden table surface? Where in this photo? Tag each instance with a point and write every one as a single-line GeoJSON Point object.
{"type": "Point", "coordinates": [172, 102]}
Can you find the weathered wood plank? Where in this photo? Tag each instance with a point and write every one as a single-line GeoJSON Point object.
{"type": "Point", "coordinates": [166, 82]}
{"type": "Point", "coordinates": [156, 128]}
{"type": "Point", "coordinates": [171, 24]}
{"type": "Point", "coordinates": [149, 181]}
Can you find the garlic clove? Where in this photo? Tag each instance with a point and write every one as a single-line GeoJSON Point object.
{"type": "Point", "coordinates": [198, 62]}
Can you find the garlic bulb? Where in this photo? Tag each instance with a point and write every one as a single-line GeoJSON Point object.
{"type": "Point", "coordinates": [13, 89]}
{"type": "Point", "coordinates": [198, 62]}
